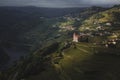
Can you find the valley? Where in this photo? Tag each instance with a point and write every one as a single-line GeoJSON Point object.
{"type": "Point", "coordinates": [64, 44]}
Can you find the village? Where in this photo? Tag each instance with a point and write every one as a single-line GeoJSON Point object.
{"type": "Point", "coordinates": [101, 35]}
{"type": "Point", "coordinates": [111, 39]}
{"type": "Point", "coordinates": [101, 30]}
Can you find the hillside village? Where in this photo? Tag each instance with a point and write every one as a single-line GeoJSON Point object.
{"type": "Point", "coordinates": [98, 25]}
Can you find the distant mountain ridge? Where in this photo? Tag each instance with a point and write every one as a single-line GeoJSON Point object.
{"type": "Point", "coordinates": [44, 12]}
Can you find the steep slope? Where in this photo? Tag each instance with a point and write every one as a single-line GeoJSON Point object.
{"type": "Point", "coordinates": [77, 63]}
{"type": "Point", "coordinates": [108, 19]}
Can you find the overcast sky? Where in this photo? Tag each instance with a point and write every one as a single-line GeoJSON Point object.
{"type": "Point", "coordinates": [58, 3]}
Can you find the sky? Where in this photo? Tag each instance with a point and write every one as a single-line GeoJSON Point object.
{"type": "Point", "coordinates": [59, 3]}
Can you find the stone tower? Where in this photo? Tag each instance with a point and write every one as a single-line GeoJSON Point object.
{"type": "Point", "coordinates": [75, 37]}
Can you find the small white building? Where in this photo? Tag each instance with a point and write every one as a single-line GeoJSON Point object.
{"type": "Point", "coordinates": [108, 24]}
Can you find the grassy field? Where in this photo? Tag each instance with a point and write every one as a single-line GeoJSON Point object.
{"type": "Point", "coordinates": [82, 64]}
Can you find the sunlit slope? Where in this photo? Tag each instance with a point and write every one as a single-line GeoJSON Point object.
{"type": "Point", "coordinates": [108, 19]}
{"type": "Point", "coordinates": [82, 63]}
{"type": "Point", "coordinates": [68, 64]}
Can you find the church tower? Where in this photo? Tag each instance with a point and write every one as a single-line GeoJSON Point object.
{"type": "Point", "coordinates": [75, 37]}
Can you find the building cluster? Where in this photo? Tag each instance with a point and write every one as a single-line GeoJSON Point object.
{"type": "Point", "coordinates": [66, 28]}
{"type": "Point", "coordinates": [84, 37]}
{"type": "Point", "coordinates": [112, 43]}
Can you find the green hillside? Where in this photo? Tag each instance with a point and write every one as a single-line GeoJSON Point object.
{"type": "Point", "coordinates": [109, 19]}
{"type": "Point", "coordinates": [86, 62]}
{"type": "Point", "coordinates": [53, 55]}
